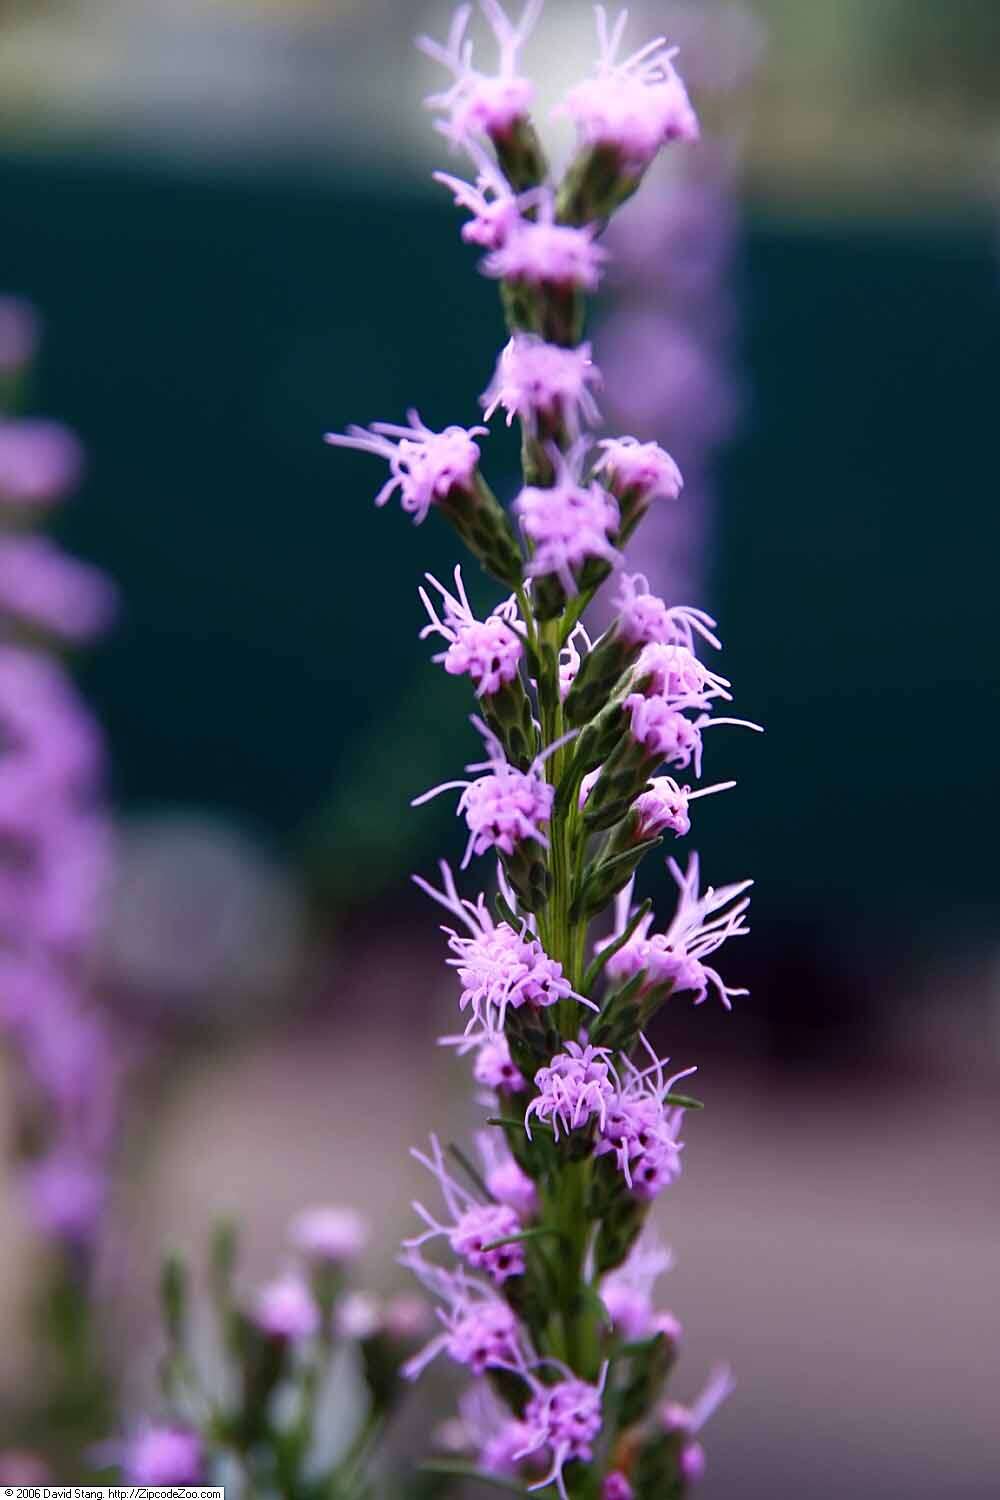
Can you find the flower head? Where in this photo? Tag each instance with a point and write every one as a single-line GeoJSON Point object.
{"type": "Point", "coordinates": [689, 1420]}
{"type": "Point", "coordinates": [633, 107]}
{"type": "Point", "coordinates": [39, 462]}
{"type": "Point", "coordinates": [535, 380]}
{"type": "Point", "coordinates": [570, 658]}
{"type": "Point", "coordinates": [576, 1087]}
{"type": "Point", "coordinates": [641, 1130]}
{"type": "Point", "coordinates": [644, 468]}
{"type": "Point", "coordinates": [671, 670]}
{"type": "Point", "coordinates": [480, 1331]}
{"type": "Point", "coordinates": [617, 1487]}
{"type": "Point", "coordinates": [46, 589]}
{"type": "Point", "coordinates": [495, 1069]}
{"type": "Point", "coordinates": [701, 924]}
{"type": "Point", "coordinates": [473, 1228]}
{"type": "Point", "coordinates": [488, 651]}
{"type": "Point", "coordinates": [164, 1456]}
{"type": "Point", "coordinates": [564, 1419]}
{"type": "Point", "coordinates": [628, 1292]}
{"type": "Point", "coordinates": [495, 209]}
{"type": "Point", "coordinates": [481, 104]}
{"type": "Point", "coordinates": [498, 968]}
{"type": "Point", "coordinates": [644, 619]}
{"type": "Point", "coordinates": [542, 253]}
{"type": "Point", "coordinates": [285, 1309]}
{"type": "Point", "coordinates": [665, 806]}
{"type": "Point", "coordinates": [506, 807]}
{"type": "Point", "coordinates": [504, 1178]}
{"type": "Point", "coordinates": [330, 1235]}
{"type": "Point", "coordinates": [426, 466]}
{"type": "Point", "coordinates": [567, 524]}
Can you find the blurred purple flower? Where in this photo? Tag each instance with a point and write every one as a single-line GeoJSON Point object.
{"type": "Point", "coordinates": [40, 462]}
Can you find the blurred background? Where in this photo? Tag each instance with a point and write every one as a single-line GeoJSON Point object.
{"type": "Point", "coordinates": [223, 210]}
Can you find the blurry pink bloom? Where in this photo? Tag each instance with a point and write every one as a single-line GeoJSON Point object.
{"type": "Point", "coordinates": [285, 1309]}
{"type": "Point", "coordinates": [39, 462]}
{"type": "Point", "coordinates": [329, 1235]}
{"type": "Point", "coordinates": [44, 588]}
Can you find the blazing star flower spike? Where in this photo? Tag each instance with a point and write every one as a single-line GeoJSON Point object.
{"type": "Point", "coordinates": [545, 1276]}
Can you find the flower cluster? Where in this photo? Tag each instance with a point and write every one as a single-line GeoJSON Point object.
{"type": "Point", "coordinates": [55, 836]}
{"type": "Point", "coordinates": [277, 1344]}
{"type": "Point", "coordinates": [537, 1257]}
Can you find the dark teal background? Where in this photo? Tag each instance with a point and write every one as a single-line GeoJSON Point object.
{"type": "Point", "coordinates": [203, 331]}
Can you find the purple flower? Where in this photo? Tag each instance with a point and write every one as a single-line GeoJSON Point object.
{"type": "Point", "coordinates": [644, 619]}
{"type": "Point", "coordinates": [426, 466]}
{"type": "Point", "coordinates": [285, 1309]}
{"type": "Point", "coordinates": [570, 657]}
{"type": "Point", "coordinates": [641, 1130]}
{"type": "Point", "coordinates": [506, 1181]}
{"type": "Point", "coordinates": [628, 1292]}
{"type": "Point", "coordinates": [701, 924]}
{"type": "Point", "coordinates": [665, 806]}
{"type": "Point", "coordinates": [44, 588]}
{"type": "Point", "coordinates": [689, 1420]}
{"type": "Point", "coordinates": [488, 651]}
{"type": "Point", "coordinates": [39, 462]}
{"type": "Point", "coordinates": [67, 1191]}
{"type": "Point", "coordinates": [567, 525]}
{"type": "Point", "coordinates": [633, 107]}
{"type": "Point", "coordinates": [480, 104]}
{"type": "Point", "coordinates": [329, 1235]}
{"type": "Point", "coordinates": [564, 1419]}
{"type": "Point", "coordinates": [480, 1331]}
{"type": "Point", "coordinates": [535, 380]}
{"type": "Point", "coordinates": [541, 253]}
{"type": "Point", "coordinates": [495, 209]}
{"type": "Point", "coordinates": [642, 468]}
{"type": "Point", "coordinates": [358, 1316]}
{"type": "Point", "coordinates": [617, 1487]}
{"type": "Point", "coordinates": [671, 670]}
{"type": "Point", "coordinates": [504, 808]}
{"type": "Point", "coordinates": [497, 966]}
{"type": "Point", "coordinates": [576, 1087]}
{"type": "Point", "coordinates": [495, 1069]}
{"type": "Point", "coordinates": [474, 1227]}
{"type": "Point", "coordinates": [164, 1456]}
